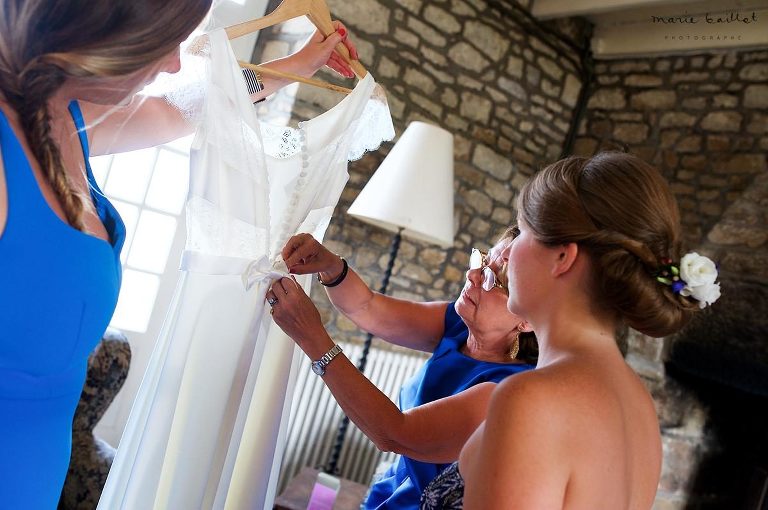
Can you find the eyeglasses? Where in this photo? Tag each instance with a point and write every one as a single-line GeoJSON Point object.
{"type": "Point", "coordinates": [479, 260]}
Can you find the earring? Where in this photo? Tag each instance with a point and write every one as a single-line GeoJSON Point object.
{"type": "Point", "coordinates": [515, 347]}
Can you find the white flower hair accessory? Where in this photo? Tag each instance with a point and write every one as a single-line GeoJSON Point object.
{"type": "Point", "coordinates": [694, 277]}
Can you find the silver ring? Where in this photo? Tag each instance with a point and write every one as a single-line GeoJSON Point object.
{"type": "Point", "coordinates": [272, 301]}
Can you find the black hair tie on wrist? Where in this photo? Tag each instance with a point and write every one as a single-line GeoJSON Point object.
{"type": "Point", "coordinates": [339, 278]}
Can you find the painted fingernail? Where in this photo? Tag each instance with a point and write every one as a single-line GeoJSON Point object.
{"type": "Point", "coordinates": [342, 32]}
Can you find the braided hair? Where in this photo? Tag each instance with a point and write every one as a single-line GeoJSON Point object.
{"type": "Point", "coordinates": [620, 210]}
{"type": "Point", "coordinates": [43, 43]}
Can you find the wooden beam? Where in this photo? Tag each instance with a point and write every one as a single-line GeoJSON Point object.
{"type": "Point", "coordinates": [548, 9]}
{"type": "Point", "coordinates": [683, 32]}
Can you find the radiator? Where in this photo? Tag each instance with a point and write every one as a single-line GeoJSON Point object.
{"type": "Point", "coordinates": [315, 416]}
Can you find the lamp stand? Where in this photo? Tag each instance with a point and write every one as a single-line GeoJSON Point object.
{"type": "Point", "coordinates": [333, 459]}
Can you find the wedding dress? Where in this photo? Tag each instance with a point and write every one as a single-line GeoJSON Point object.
{"type": "Point", "coordinates": [207, 426]}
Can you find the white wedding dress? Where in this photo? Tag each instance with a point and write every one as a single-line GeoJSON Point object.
{"type": "Point", "coordinates": [207, 426]}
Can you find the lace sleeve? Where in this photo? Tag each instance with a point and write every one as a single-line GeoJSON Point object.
{"type": "Point", "coordinates": [373, 127]}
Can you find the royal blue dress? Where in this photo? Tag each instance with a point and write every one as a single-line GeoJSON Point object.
{"type": "Point", "coordinates": [58, 289]}
{"type": "Point", "coordinates": [446, 373]}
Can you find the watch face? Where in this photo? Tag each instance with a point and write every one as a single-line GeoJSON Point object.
{"type": "Point", "coordinates": [318, 368]}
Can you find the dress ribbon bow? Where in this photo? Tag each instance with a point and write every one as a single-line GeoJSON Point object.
{"type": "Point", "coordinates": [262, 269]}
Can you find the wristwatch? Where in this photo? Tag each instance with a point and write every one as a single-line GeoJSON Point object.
{"type": "Point", "coordinates": [318, 366]}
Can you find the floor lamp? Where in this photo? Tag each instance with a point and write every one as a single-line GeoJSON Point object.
{"type": "Point", "coordinates": [410, 194]}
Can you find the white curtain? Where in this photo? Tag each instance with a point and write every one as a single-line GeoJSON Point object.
{"type": "Point", "coordinates": [207, 427]}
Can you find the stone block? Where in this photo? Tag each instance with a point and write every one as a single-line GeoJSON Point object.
{"type": "Point", "coordinates": [478, 202]}
{"type": "Point", "coordinates": [754, 72]}
{"type": "Point", "coordinates": [630, 66]}
{"type": "Point", "coordinates": [438, 74]}
{"type": "Point", "coordinates": [741, 164]}
{"type": "Point", "coordinates": [387, 68]}
{"type": "Point", "coordinates": [415, 78]}
{"type": "Point", "coordinates": [475, 107]}
{"type": "Point", "coordinates": [456, 122]}
{"type": "Point", "coordinates": [756, 96]}
{"type": "Point", "coordinates": [643, 80]}
{"type": "Point", "coordinates": [436, 57]}
{"type": "Point", "coordinates": [492, 162]}
{"type": "Point", "coordinates": [426, 32]}
{"type": "Point", "coordinates": [732, 235]}
{"type": "Point", "coordinates": [607, 99]}
{"type": "Point", "coordinates": [571, 90]}
{"type": "Point", "coordinates": [515, 66]}
{"type": "Point", "coordinates": [718, 143]}
{"type": "Point", "coordinates": [468, 57]}
{"type": "Point", "coordinates": [676, 119]}
{"type": "Point", "coordinates": [513, 88]}
{"type": "Point", "coordinates": [689, 77]}
{"type": "Point", "coordinates": [722, 121]}
{"type": "Point", "coordinates": [690, 143]}
{"type": "Point", "coordinates": [584, 147]}
{"type": "Point", "coordinates": [359, 14]}
{"type": "Point", "coordinates": [549, 88]}
{"type": "Point", "coordinates": [630, 132]}
{"type": "Point", "coordinates": [532, 75]}
{"type": "Point", "coordinates": [694, 103]}
{"type": "Point", "coordinates": [450, 98]}
{"type": "Point", "coordinates": [551, 68]}
{"type": "Point", "coordinates": [460, 8]}
{"type": "Point", "coordinates": [407, 37]}
{"type": "Point", "coordinates": [758, 123]}
{"type": "Point", "coordinates": [430, 106]}
{"type": "Point", "coordinates": [442, 19]}
{"type": "Point", "coordinates": [669, 138]}
{"type": "Point", "coordinates": [682, 457]}
{"type": "Point", "coordinates": [487, 39]}
{"type": "Point", "coordinates": [654, 100]}
{"type": "Point", "coordinates": [725, 101]}
{"type": "Point", "coordinates": [479, 228]}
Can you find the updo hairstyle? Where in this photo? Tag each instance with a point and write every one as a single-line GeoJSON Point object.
{"type": "Point", "coordinates": [621, 212]}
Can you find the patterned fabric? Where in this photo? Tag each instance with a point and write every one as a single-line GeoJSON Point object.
{"type": "Point", "coordinates": [91, 457]}
{"type": "Point", "coordinates": [445, 492]}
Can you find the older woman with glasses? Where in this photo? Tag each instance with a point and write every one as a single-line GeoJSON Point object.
{"type": "Point", "coordinates": [475, 343]}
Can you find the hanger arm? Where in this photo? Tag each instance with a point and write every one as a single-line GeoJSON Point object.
{"type": "Point", "coordinates": [295, 77]}
{"type": "Point", "coordinates": [320, 16]}
{"type": "Point", "coordinates": [317, 12]}
{"type": "Point", "coordinates": [288, 9]}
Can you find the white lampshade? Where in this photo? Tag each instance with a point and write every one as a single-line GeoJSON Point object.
{"type": "Point", "coordinates": [413, 187]}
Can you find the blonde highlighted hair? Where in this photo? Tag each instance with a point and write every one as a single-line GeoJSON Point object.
{"type": "Point", "coordinates": [43, 43]}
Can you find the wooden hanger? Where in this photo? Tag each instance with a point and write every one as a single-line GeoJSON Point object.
{"type": "Point", "coordinates": [318, 13]}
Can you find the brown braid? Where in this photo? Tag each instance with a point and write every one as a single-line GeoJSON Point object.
{"type": "Point", "coordinates": [44, 43]}
{"type": "Point", "coordinates": [36, 84]}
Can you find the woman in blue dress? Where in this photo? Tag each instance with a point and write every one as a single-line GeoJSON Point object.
{"type": "Point", "coordinates": [475, 343]}
{"type": "Point", "coordinates": [64, 65]}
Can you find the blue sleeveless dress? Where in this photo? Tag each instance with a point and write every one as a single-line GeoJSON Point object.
{"type": "Point", "coordinates": [58, 290]}
{"type": "Point", "coordinates": [446, 373]}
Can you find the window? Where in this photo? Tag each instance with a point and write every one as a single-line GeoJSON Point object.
{"type": "Point", "coordinates": [148, 187]}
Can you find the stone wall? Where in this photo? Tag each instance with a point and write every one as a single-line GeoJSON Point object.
{"type": "Point", "coordinates": [471, 67]}
{"type": "Point", "coordinates": [703, 120]}
{"type": "Point", "coordinates": [507, 87]}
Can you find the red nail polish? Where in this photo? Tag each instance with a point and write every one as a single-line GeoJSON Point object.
{"type": "Point", "coordinates": [342, 32]}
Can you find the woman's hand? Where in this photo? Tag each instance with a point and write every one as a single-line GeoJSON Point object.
{"type": "Point", "coordinates": [297, 315]}
{"type": "Point", "coordinates": [319, 51]}
{"type": "Point", "coordinates": [304, 255]}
